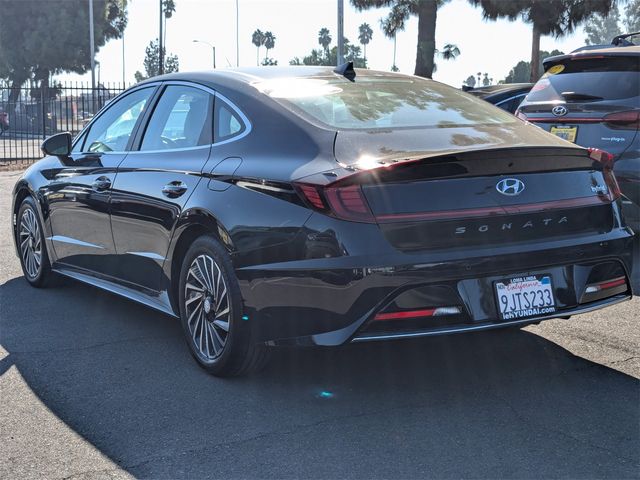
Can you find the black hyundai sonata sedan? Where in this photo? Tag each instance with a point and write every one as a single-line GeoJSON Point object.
{"type": "Point", "coordinates": [313, 206]}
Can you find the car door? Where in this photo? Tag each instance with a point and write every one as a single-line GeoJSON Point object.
{"type": "Point", "coordinates": [156, 179]}
{"type": "Point", "coordinates": [78, 195]}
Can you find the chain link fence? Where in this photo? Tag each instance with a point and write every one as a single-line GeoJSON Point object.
{"type": "Point", "coordinates": [28, 115]}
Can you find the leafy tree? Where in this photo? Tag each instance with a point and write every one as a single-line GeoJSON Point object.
{"type": "Point", "coordinates": [352, 53]}
{"type": "Point", "coordinates": [257, 38]}
{"type": "Point", "coordinates": [521, 73]}
{"type": "Point", "coordinates": [632, 16]}
{"type": "Point", "coordinates": [324, 39]}
{"type": "Point", "coordinates": [365, 34]}
{"type": "Point", "coordinates": [268, 62]}
{"type": "Point", "coordinates": [548, 17]}
{"type": "Point", "coordinates": [470, 81]}
{"type": "Point", "coordinates": [269, 42]}
{"type": "Point", "coordinates": [600, 29]}
{"type": "Point", "coordinates": [151, 65]}
{"type": "Point", "coordinates": [31, 49]}
{"type": "Point", "coordinates": [426, 11]}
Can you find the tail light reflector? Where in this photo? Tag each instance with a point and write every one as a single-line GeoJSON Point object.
{"type": "Point", "coordinates": [429, 312]}
{"type": "Point", "coordinates": [606, 159]}
{"type": "Point", "coordinates": [615, 282]}
{"type": "Point", "coordinates": [629, 120]}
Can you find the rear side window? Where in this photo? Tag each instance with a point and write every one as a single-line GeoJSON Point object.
{"type": "Point", "coordinates": [227, 123]}
{"type": "Point", "coordinates": [371, 103]}
{"type": "Point", "coordinates": [594, 79]}
{"type": "Point", "coordinates": [181, 119]}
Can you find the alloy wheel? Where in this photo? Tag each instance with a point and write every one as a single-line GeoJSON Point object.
{"type": "Point", "coordinates": [30, 243]}
{"type": "Point", "coordinates": [206, 302]}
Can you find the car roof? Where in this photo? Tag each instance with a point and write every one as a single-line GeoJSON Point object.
{"type": "Point", "coordinates": [593, 50]}
{"type": "Point", "coordinates": [242, 78]}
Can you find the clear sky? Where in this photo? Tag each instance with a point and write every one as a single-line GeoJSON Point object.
{"type": "Point", "coordinates": [493, 47]}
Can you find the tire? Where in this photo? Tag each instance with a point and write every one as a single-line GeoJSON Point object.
{"type": "Point", "coordinates": [32, 248]}
{"type": "Point", "coordinates": [211, 313]}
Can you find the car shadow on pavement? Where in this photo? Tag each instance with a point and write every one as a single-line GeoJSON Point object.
{"type": "Point", "coordinates": [495, 404]}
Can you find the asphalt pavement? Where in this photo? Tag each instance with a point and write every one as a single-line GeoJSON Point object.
{"type": "Point", "coordinates": [95, 386]}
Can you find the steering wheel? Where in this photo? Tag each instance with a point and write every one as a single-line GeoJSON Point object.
{"type": "Point", "coordinates": [167, 142]}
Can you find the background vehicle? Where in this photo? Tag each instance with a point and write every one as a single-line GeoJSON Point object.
{"type": "Point", "coordinates": [592, 97]}
{"type": "Point", "coordinates": [507, 96]}
{"type": "Point", "coordinates": [311, 206]}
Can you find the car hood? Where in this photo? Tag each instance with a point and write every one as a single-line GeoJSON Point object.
{"type": "Point", "coordinates": [362, 147]}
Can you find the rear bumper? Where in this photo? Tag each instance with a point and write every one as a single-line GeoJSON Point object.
{"type": "Point", "coordinates": [614, 300]}
{"type": "Point", "coordinates": [333, 301]}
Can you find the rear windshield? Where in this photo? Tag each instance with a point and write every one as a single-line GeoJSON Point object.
{"type": "Point", "coordinates": [370, 103]}
{"type": "Point", "coordinates": [596, 79]}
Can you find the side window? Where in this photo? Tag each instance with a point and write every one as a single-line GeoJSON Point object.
{"type": "Point", "coordinates": [181, 119]}
{"type": "Point", "coordinates": [227, 122]}
{"type": "Point", "coordinates": [112, 130]}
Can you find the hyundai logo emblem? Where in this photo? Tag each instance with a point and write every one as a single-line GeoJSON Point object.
{"type": "Point", "coordinates": [559, 110]}
{"type": "Point", "coordinates": [510, 186]}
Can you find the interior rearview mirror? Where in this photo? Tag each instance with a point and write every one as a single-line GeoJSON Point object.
{"type": "Point", "coordinates": [58, 145]}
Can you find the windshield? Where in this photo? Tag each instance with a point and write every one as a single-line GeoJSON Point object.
{"type": "Point", "coordinates": [382, 103]}
{"type": "Point", "coordinates": [611, 78]}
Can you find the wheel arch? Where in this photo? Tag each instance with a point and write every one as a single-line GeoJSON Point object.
{"type": "Point", "coordinates": [193, 223]}
{"type": "Point", "coordinates": [21, 191]}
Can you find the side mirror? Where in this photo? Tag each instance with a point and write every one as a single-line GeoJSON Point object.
{"type": "Point", "coordinates": [58, 145]}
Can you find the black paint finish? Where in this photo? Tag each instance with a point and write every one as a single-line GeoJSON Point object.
{"type": "Point", "coordinates": [122, 220]}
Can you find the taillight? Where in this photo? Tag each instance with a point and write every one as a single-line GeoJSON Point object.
{"type": "Point", "coordinates": [347, 203]}
{"type": "Point", "coordinates": [606, 159]}
{"type": "Point", "coordinates": [629, 120]}
{"type": "Point", "coordinates": [312, 195]}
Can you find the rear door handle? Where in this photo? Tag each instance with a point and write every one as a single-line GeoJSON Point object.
{"type": "Point", "coordinates": [101, 183]}
{"type": "Point", "coordinates": [174, 189]}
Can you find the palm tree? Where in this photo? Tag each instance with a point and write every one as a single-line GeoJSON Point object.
{"type": "Point", "coordinates": [390, 27]}
{"type": "Point", "coordinates": [427, 12]}
{"type": "Point", "coordinates": [168, 9]}
{"type": "Point", "coordinates": [364, 37]}
{"type": "Point", "coordinates": [324, 39]}
{"type": "Point", "coordinates": [269, 42]}
{"type": "Point", "coordinates": [450, 52]}
{"type": "Point", "coordinates": [557, 17]}
{"type": "Point", "coordinates": [257, 38]}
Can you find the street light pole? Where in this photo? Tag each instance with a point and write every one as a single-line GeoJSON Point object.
{"type": "Point", "coordinates": [213, 48]}
{"type": "Point", "coordinates": [340, 32]}
{"type": "Point", "coordinates": [160, 56]}
{"type": "Point", "coordinates": [92, 47]}
{"type": "Point", "coordinates": [237, 34]}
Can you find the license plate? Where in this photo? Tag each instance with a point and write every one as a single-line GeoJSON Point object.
{"type": "Point", "coordinates": [524, 297]}
{"type": "Point", "coordinates": [566, 133]}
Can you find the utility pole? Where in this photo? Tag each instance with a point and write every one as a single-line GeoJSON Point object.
{"type": "Point", "coordinates": [123, 64]}
{"type": "Point", "coordinates": [237, 34]}
{"type": "Point", "coordinates": [340, 32]}
{"type": "Point", "coordinates": [160, 46]}
{"type": "Point", "coordinates": [92, 47]}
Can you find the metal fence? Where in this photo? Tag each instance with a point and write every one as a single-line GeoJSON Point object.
{"type": "Point", "coordinates": [30, 114]}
